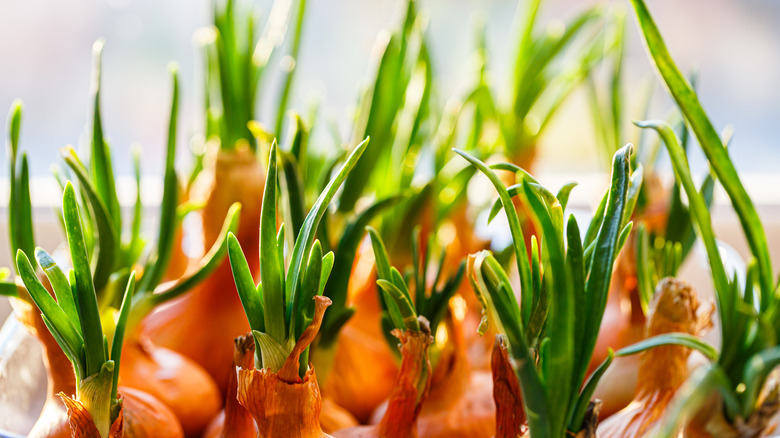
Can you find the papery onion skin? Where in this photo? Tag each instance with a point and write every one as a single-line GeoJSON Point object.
{"type": "Point", "coordinates": [179, 325]}
{"type": "Point", "coordinates": [364, 368]}
{"type": "Point", "coordinates": [141, 416]}
{"type": "Point", "coordinates": [405, 403]}
{"type": "Point", "coordinates": [663, 369]}
{"type": "Point", "coordinates": [460, 400]}
{"type": "Point", "coordinates": [283, 403]}
{"type": "Point", "coordinates": [234, 421]}
{"type": "Point", "coordinates": [181, 384]}
{"type": "Point", "coordinates": [334, 417]}
{"type": "Point", "coordinates": [510, 413]}
{"type": "Point", "coordinates": [280, 408]}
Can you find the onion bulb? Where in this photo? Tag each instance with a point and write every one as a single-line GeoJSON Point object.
{"type": "Point", "coordinates": [675, 308]}
{"type": "Point", "coordinates": [234, 421]}
{"type": "Point", "coordinates": [179, 325]}
{"type": "Point", "coordinates": [284, 404]}
{"type": "Point", "coordinates": [410, 389]}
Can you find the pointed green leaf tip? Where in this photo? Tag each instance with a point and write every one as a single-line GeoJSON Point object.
{"type": "Point", "coordinates": [14, 124]}
{"type": "Point", "coordinates": [247, 291]}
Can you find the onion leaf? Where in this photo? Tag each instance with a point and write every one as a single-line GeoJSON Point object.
{"type": "Point", "coordinates": [86, 298]}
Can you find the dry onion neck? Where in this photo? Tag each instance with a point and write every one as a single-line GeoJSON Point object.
{"type": "Point", "coordinates": [401, 311]}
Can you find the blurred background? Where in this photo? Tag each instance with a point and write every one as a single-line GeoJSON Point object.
{"type": "Point", "coordinates": [45, 58]}
{"type": "Point", "coordinates": [45, 53]}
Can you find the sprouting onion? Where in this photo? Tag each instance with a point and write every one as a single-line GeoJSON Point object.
{"type": "Point", "coordinates": [237, 58]}
{"type": "Point", "coordinates": [552, 333]}
{"type": "Point", "coordinates": [429, 301]}
{"type": "Point", "coordinates": [413, 380]}
{"type": "Point", "coordinates": [75, 321]}
{"type": "Point", "coordinates": [460, 399]}
{"type": "Point", "coordinates": [285, 312]}
{"type": "Point", "coordinates": [114, 254]}
{"type": "Point", "coordinates": [748, 317]}
{"type": "Point", "coordinates": [541, 81]}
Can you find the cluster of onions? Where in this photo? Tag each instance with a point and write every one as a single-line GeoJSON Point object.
{"type": "Point", "coordinates": [180, 384]}
{"type": "Point", "coordinates": [228, 348]}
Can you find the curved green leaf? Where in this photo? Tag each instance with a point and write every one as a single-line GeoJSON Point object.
{"type": "Point", "coordinates": [682, 339]}
{"type": "Point", "coordinates": [711, 144]}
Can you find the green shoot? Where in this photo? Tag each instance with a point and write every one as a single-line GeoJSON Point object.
{"type": "Point", "coordinates": [110, 258]}
{"type": "Point", "coordinates": [401, 307]}
{"type": "Point", "coordinates": [20, 224]}
{"type": "Point", "coordinates": [562, 297]}
{"type": "Point", "coordinates": [711, 144]}
{"type": "Point", "coordinates": [337, 286]}
{"type": "Point", "coordinates": [101, 169]}
{"type": "Point", "coordinates": [282, 307]}
{"type": "Point", "coordinates": [236, 60]}
{"type": "Point", "coordinates": [541, 82]}
{"type": "Point", "coordinates": [380, 107]}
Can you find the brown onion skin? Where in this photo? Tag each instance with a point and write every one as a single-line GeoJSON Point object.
{"type": "Point", "coordinates": [179, 324]}
{"type": "Point", "coordinates": [460, 400]}
{"type": "Point", "coordinates": [334, 417]}
{"type": "Point", "coordinates": [405, 403]}
{"type": "Point", "coordinates": [146, 416]}
{"type": "Point", "coordinates": [234, 421]}
{"type": "Point", "coordinates": [510, 412]}
{"type": "Point", "coordinates": [181, 384]}
{"type": "Point", "coordinates": [141, 416]}
{"type": "Point", "coordinates": [283, 403]}
{"type": "Point", "coordinates": [664, 369]}
{"type": "Point", "coordinates": [282, 408]}
{"type": "Point", "coordinates": [363, 368]}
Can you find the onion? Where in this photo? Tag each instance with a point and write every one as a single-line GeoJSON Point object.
{"type": "Point", "coordinates": [181, 384]}
{"type": "Point", "coordinates": [179, 325]}
{"type": "Point", "coordinates": [234, 421]}
{"type": "Point", "coordinates": [283, 404]}
{"type": "Point", "coordinates": [410, 389]}
{"type": "Point", "coordinates": [141, 416]}
{"type": "Point", "coordinates": [53, 421]}
{"type": "Point", "coordinates": [363, 367]}
{"type": "Point", "coordinates": [663, 369]}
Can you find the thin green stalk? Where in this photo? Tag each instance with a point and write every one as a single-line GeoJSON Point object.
{"type": "Point", "coordinates": [712, 145]}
